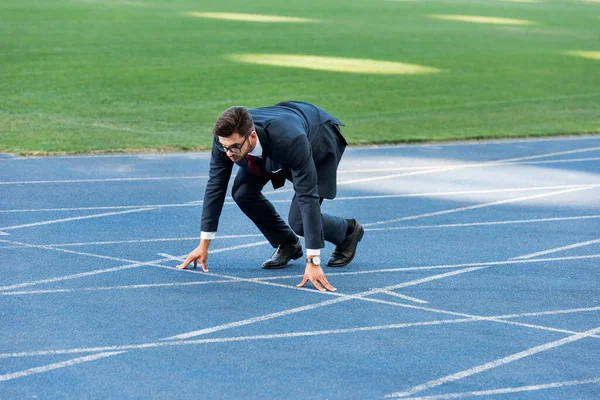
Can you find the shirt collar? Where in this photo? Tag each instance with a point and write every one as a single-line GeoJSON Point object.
{"type": "Point", "coordinates": [258, 150]}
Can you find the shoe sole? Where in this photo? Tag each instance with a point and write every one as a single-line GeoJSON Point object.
{"type": "Point", "coordinates": [294, 257]}
{"type": "Point", "coordinates": [362, 233]}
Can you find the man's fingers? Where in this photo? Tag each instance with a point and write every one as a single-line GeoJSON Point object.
{"type": "Point", "coordinates": [327, 285]}
{"type": "Point", "coordinates": [195, 263]}
{"type": "Point", "coordinates": [304, 280]}
{"type": "Point", "coordinates": [184, 265]}
{"type": "Point", "coordinates": [187, 262]}
{"type": "Point", "coordinates": [317, 284]}
{"type": "Point", "coordinates": [204, 267]}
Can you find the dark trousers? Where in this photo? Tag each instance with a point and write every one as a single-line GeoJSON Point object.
{"type": "Point", "coordinates": [247, 193]}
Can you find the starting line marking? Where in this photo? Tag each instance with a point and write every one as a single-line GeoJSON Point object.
{"type": "Point", "coordinates": [482, 205]}
{"type": "Point", "coordinates": [404, 297]}
{"type": "Point", "coordinates": [313, 306]}
{"type": "Point", "coordinates": [150, 178]}
{"type": "Point", "coordinates": [247, 338]}
{"type": "Point", "coordinates": [557, 249]}
{"type": "Point", "coordinates": [519, 389]}
{"type": "Point", "coordinates": [495, 363]}
{"type": "Point", "coordinates": [55, 221]}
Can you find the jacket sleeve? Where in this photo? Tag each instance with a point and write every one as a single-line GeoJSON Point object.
{"type": "Point", "coordinates": [304, 174]}
{"type": "Point", "coordinates": [216, 189]}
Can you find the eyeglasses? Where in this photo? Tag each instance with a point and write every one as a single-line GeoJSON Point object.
{"type": "Point", "coordinates": [234, 149]}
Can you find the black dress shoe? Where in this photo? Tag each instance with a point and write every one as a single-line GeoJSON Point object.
{"type": "Point", "coordinates": [283, 255]}
{"type": "Point", "coordinates": [345, 251]}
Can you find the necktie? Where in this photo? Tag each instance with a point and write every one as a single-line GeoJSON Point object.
{"type": "Point", "coordinates": [253, 165]}
{"type": "Point", "coordinates": [255, 168]}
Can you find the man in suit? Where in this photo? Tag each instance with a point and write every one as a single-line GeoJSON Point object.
{"type": "Point", "coordinates": [292, 140]}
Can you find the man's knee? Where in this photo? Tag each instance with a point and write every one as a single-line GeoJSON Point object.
{"type": "Point", "coordinates": [240, 194]}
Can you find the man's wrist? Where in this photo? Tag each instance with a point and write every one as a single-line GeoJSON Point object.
{"type": "Point", "coordinates": [208, 235]}
{"type": "Point", "coordinates": [314, 260]}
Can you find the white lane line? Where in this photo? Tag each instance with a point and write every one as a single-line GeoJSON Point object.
{"type": "Point", "coordinates": [170, 257]}
{"type": "Point", "coordinates": [426, 167]}
{"type": "Point", "coordinates": [447, 266]}
{"type": "Point", "coordinates": [404, 297]}
{"type": "Point", "coordinates": [554, 312]}
{"type": "Point", "coordinates": [451, 168]}
{"type": "Point", "coordinates": [231, 202]}
{"type": "Point", "coordinates": [519, 389]}
{"type": "Point", "coordinates": [150, 178]}
{"type": "Point", "coordinates": [465, 225]}
{"type": "Point", "coordinates": [105, 288]}
{"type": "Point", "coordinates": [486, 264]}
{"type": "Point", "coordinates": [474, 317]}
{"type": "Point", "coordinates": [358, 297]}
{"type": "Point", "coordinates": [79, 253]}
{"type": "Point", "coordinates": [63, 364]}
{"type": "Point", "coordinates": [4, 233]}
{"type": "Point", "coordinates": [230, 339]}
{"type": "Point", "coordinates": [440, 266]}
{"type": "Point", "coordinates": [482, 205]}
{"type": "Point", "coordinates": [238, 247]}
{"type": "Point", "coordinates": [56, 221]}
{"type": "Point", "coordinates": [255, 319]}
{"type": "Point", "coordinates": [131, 264]}
{"type": "Point", "coordinates": [390, 169]}
{"type": "Point", "coordinates": [575, 189]}
{"type": "Point", "coordinates": [197, 238]}
{"type": "Point", "coordinates": [270, 278]}
{"type": "Point", "coordinates": [278, 336]}
{"type": "Point", "coordinates": [155, 263]}
{"type": "Point", "coordinates": [183, 257]}
{"type": "Point", "coordinates": [472, 224]}
{"type": "Point", "coordinates": [68, 277]}
{"type": "Point", "coordinates": [421, 280]}
{"type": "Point", "coordinates": [462, 166]}
{"type": "Point", "coordinates": [103, 208]}
{"type": "Point", "coordinates": [241, 338]}
{"type": "Point", "coordinates": [313, 306]}
{"type": "Point", "coordinates": [557, 249]}
{"type": "Point", "coordinates": [494, 364]}
{"type": "Point", "coordinates": [457, 192]}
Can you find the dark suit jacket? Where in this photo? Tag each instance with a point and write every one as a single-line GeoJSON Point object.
{"type": "Point", "coordinates": [296, 143]}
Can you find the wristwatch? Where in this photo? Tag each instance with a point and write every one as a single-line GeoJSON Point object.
{"type": "Point", "coordinates": [316, 260]}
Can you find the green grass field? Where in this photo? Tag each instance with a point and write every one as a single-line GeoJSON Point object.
{"type": "Point", "coordinates": [109, 75]}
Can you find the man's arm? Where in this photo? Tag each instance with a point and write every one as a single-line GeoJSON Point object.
{"type": "Point", "coordinates": [216, 189]}
{"type": "Point", "coordinates": [214, 197]}
{"type": "Point", "coordinates": [304, 175]}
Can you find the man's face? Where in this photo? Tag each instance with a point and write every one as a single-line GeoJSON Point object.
{"type": "Point", "coordinates": [237, 142]}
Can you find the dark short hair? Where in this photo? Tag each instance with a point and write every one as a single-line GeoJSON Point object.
{"type": "Point", "coordinates": [234, 119]}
